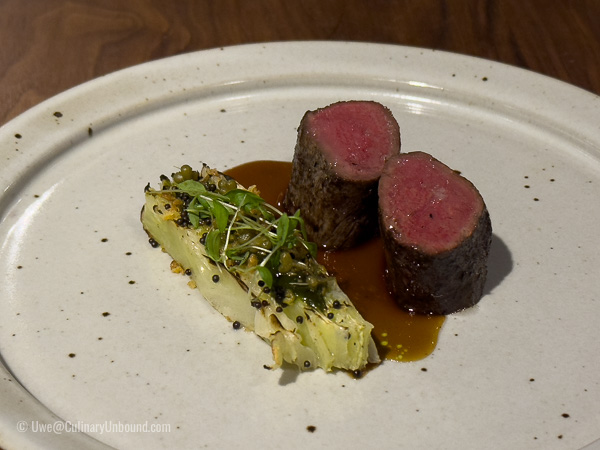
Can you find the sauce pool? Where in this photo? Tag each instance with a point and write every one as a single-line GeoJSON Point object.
{"type": "Point", "coordinates": [360, 272]}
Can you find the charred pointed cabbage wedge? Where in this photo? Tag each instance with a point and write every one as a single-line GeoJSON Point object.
{"type": "Point", "coordinates": [255, 266]}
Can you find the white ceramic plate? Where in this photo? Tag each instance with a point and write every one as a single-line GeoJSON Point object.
{"type": "Point", "coordinates": [520, 370]}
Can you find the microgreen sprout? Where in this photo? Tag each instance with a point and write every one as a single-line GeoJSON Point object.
{"type": "Point", "coordinates": [246, 232]}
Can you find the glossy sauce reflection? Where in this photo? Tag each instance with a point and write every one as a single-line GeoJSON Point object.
{"type": "Point", "coordinates": [399, 335]}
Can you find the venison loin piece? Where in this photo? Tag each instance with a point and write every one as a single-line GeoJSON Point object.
{"type": "Point", "coordinates": [338, 159]}
{"type": "Point", "coordinates": [436, 232]}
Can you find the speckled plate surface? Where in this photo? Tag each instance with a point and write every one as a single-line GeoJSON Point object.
{"type": "Point", "coordinates": [96, 332]}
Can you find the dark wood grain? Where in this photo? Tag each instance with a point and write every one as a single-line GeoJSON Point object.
{"type": "Point", "coordinates": [48, 46]}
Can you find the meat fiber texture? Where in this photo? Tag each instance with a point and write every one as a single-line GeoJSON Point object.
{"type": "Point", "coordinates": [437, 233]}
{"type": "Point", "coordinates": [339, 156]}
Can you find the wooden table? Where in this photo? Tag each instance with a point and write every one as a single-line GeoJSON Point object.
{"type": "Point", "coordinates": [48, 46]}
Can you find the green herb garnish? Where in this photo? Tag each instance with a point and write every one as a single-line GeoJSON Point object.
{"type": "Point", "coordinates": [246, 233]}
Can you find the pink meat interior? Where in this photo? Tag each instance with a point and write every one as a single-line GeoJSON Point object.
{"type": "Point", "coordinates": [356, 137]}
{"type": "Point", "coordinates": [427, 204]}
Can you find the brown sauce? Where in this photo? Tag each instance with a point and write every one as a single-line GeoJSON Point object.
{"type": "Point", "coordinates": [360, 272]}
